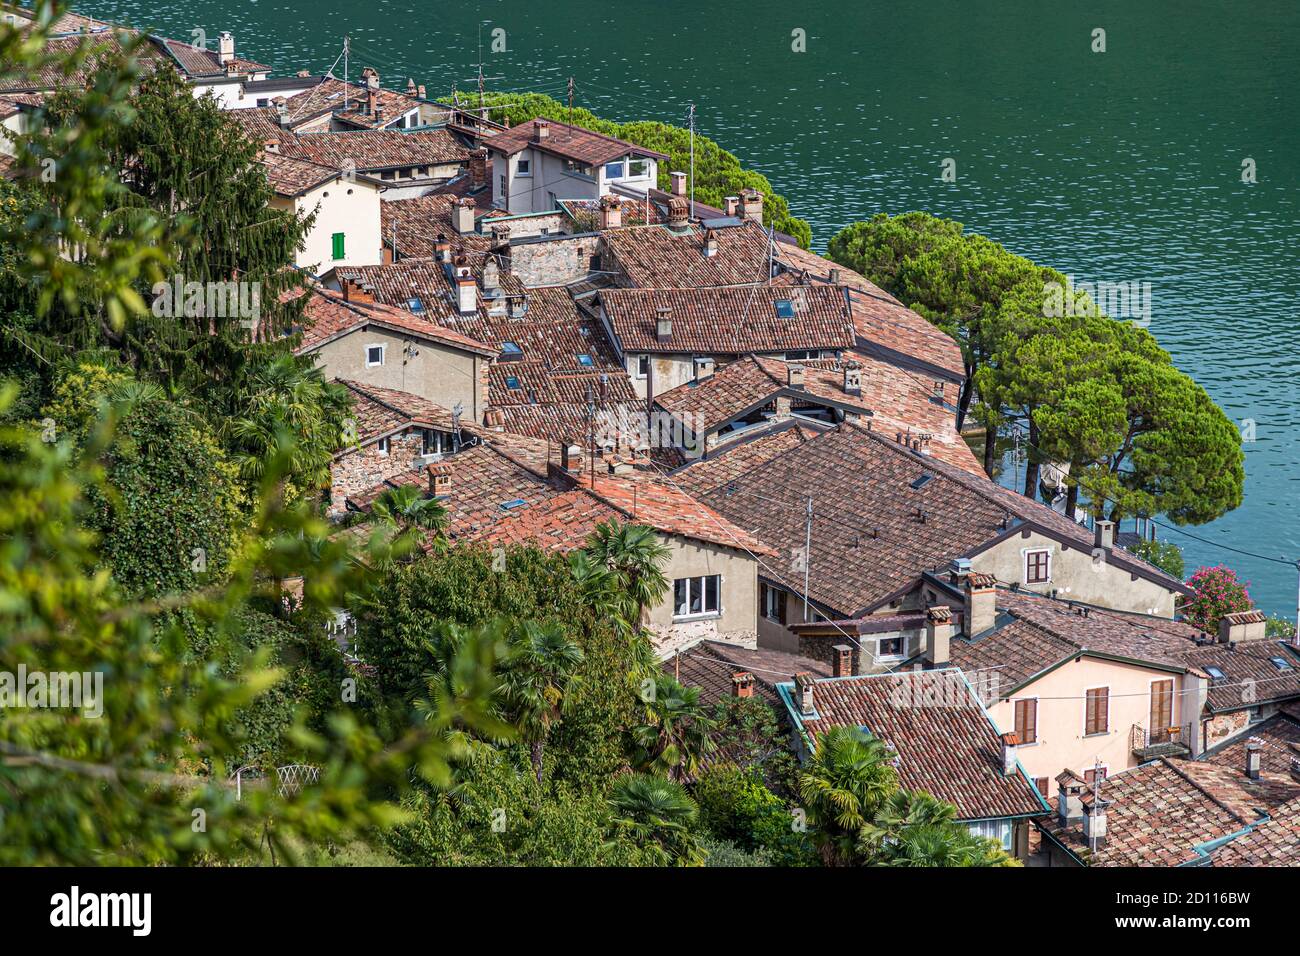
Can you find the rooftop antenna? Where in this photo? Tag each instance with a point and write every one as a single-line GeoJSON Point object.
{"type": "Point", "coordinates": [570, 101]}
{"type": "Point", "coordinates": [347, 47]}
{"type": "Point", "coordinates": [690, 120]}
{"type": "Point", "coordinates": [456, 411]}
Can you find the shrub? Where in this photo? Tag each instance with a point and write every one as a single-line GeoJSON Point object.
{"type": "Point", "coordinates": [736, 807]}
{"type": "Point", "coordinates": [1216, 593]}
{"type": "Point", "coordinates": [1165, 555]}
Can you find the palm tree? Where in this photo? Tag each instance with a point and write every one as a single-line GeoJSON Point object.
{"type": "Point", "coordinates": [658, 816]}
{"type": "Point", "coordinates": [537, 682]}
{"type": "Point", "coordinates": [409, 514]}
{"type": "Point", "coordinates": [921, 830]}
{"type": "Point", "coordinates": [677, 732]}
{"type": "Point", "coordinates": [844, 786]}
{"type": "Point", "coordinates": [635, 553]}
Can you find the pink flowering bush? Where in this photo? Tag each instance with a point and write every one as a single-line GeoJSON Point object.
{"type": "Point", "coordinates": [1216, 592]}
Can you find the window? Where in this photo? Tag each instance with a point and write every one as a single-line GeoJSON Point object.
{"type": "Point", "coordinates": [511, 350]}
{"type": "Point", "coordinates": [698, 596]}
{"type": "Point", "coordinates": [503, 186]}
{"type": "Point", "coordinates": [642, 366]}
{"type": "Point", "coordinates": [1027, 720]}
{"type": "Point", "coordinates": [1097, 718]}
{"type": "Point", "coordinates": [999, 830]}
{"type": "Point", "coordinates": [1091, 776]}
{"type": "Point", "coordinates": [800, 355]}
{"type": "Point", "coordinates": [512, 383]}
{"type": "Point", "coordinates": [430, 442]}
{"type": "Point", "coordinates": [524, 168]}
{"type": "Point", "coordinates": [375, 355]}
{"type": "Point", "coordinates": [1038, 567]}
{"type": "Point", "coordinates": [1216, 675]}
{"type": "Point", "coordinates": [784, 309]}
{"type": "Point", "coordinates": [585, 360]}
{"type": "Point", "coordinates": [415, 305]}
{"type": "Point", "coordinates": [339, 244]}
{"type": "Point", "coordinates": [614, 170]}
{"type": "Point", "coordinates": [1280, 663]}
{"type": "Point", "coordinates": [263, 101]}
{"type": "Point", "coordinates": [888, 648]}
{"type": "Point", "coordinates": [773, 603]}
{"type": "Point", "coordinates": [638, 169]}
{"type": "Point", "coordinates": [384, 446]}
{"type": "Point", "coordinates": [1255, 714]}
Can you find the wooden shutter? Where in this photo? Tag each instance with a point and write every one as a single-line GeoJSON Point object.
{"type": "Point", "coordinates": [1098, 718]}
{"type": "Point", "coordinates": [1027, 721]}
{"type": "Point", "coordinates": [338, 245]}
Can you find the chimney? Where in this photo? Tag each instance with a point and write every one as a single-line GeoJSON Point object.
{"type": "Point", "coordinates": [852, 378]}
{"type": "Point", "coordinates": [419, 92]}
{"type": "Point", "coordinates": [1069, 788]}
{"type": "Point", "coordinates": [803, 689]}
{"type": "Point", "coordinates": [981, 603]}
{"type": "Point", "coordinates": [959, 570]}
{"type": "Point", "coordinates": [491, 278]}
{"type": "Point", "coordinates": [679, 183]}
{"type": "Point", "coordinates": [500, 233]}
{"type": "Point", "coordinates": [466, 287]}
{"type": "Point", "coordinates": [1241, 626]}
{"type": "Point", "coordinates": [379, 115]}
{"type": "Point", "coordinates": [1094, 820]}
{"type": "Point", "coordinates": [742, 684]}
{"type": "Point", "coordinates": [440, 479]}
{"type": "Point", "coordinates": [372, 101]}
{"type": "Point", "coordinates": [478, 168]}
{"type": "Point", "coordinates": [731, 205]}
{"type": "Point", "coordinates": [1252, 757]}
{"type": "Point", "coordinates": [703, 366]}
{"type": "Point", "coordinates": [751, 205]}
{"type": "Point", "coordinates": [271, 146]}
{"type": "Point", "coordinates": [1103, 534]}
{"type": "Point", "coordinates": [794, 376]}
{"type": "Point", "coordinates": [710, 243]}
{"type": "Point", "coordinates": [618, 466]}
{"type": "Point", "coordinates": [411, 89]}
{"type": "Point", "coordinates": [663, 323]}
{"type": "Point", "coordinates": [442, 248]}
{"type": "Point", "coordinates": [371, 77]}
{"type": "Point", "coordinates": [678, 214]}
{"type": "Point", "coordinates": [571, 457]}
{"type": "Point", "coordinates": [281, 110]}
{"type": "Point", "coordinates": [541, 130]}
{"type": "Point", "coordinates": [225, 47]}
{"type": "Point", "coordinates": [938, 634]}
{"type": "Point", "coordinates": [611, 212]}
{"type": "Point", "coordinates": [842, 662]}
{"type": "Point", "coordinates": [835, 277]}
{"type": "Point", "coordinates": [1009, 743]}
{"type": "Point", "coordinates": [462, 214]}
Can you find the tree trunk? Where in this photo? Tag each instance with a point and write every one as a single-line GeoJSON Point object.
{"type": "Point", "coordinates": [1032, 464]}
{"type": "Point", "coordinates": [963, 400]}
{"type": "Point", "coordinates": [535, 753]}
{"type": "Point", "coordinates": [1071, 500]}
{"type": "Point", "coordinates": [990, 449]}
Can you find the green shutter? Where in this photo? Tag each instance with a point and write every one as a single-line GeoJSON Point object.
{"type": "Point", "coordinates": [338, 245]}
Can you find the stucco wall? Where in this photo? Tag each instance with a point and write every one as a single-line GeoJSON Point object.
{"type": "Point", "coordinates": [1075, 575]}
{"type": "Point", "coordinates": [349, 208]}
{"type": "Point", "coordinates": [739, 591]}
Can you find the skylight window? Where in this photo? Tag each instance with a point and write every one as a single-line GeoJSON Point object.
{"type": "Point", "coordinates": [1216, 675]}
{"type": "Point", "coordinates": [511, 348]}
{"type": "Point", "coordinates": [585, 360]}
{"type": "Point", "coordinates": [415, 305]}
{"type": "Point", "coordinates": [512, 504]}
{"type": "Point", "coordinates": [1281, 663]}
{"type": "Point", "coordinates": [922, 481]}
{"type": "Point", "coordinates": [784, 309]}
{"type": "Point", "coordinates": [512, 382]}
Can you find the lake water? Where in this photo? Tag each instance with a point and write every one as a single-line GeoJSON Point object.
{"type": "Point", "coordinates": [1123, 165]}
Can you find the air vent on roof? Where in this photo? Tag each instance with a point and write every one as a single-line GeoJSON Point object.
{"type": "Point", "coordinates": [922, 481]}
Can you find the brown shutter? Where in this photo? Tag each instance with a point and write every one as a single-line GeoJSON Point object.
{"type": "Point", "coordinates": [1103, 710]}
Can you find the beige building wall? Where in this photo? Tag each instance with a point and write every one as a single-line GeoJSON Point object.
{"type": "Point", "coordinates": [351, 208]}
{"type": "Point", "coordinates": [441, 375]}
{"type": "Point", "coordinates": [1062, 714]}
{"type": "Point", "coordinates": [738, 591]}
{"type": "Point", "coordinates": [1075, 575]}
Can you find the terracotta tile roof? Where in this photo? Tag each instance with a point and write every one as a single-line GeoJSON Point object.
{"type": "Point", "coordinates": [1249, 675]}
{"type": "Point", "coordinates": [260, 124]}
{"type": "Point", "coordinates": [585, 213]}
{"type": "Point", "coordinates": [709, 665]}
{"type": "Point", "coordinates": [750, 382]}
{"type": "Point", "coordinates": [373, 149]}
{"type": "Point", "coordinates": [292, 177]}
{"type": "Point", "coordinates": [952, 752]}
{"type": "Point", "coordinates": [14, 103]}
{"type": "Point", "coordinates": [328, 97]}
{"type": "Point", "coordinates": [656, 257]}
{"type": "Point", "coordinates": [381, 411]}
{"type": "Point", "coordinates": [326, 317]}
{"type": "Point", "coordinates": [729, 321]}
{"type": "Point", "coordinates": [561, 524]}
{"type": "Point", "coordinates": [1275, 842]}
{"type": "Point", "coordinates": [1245, 797]}
{"type": "Point", "coordinates": [869, 540]}
{"type": "Point", "coordinates": [418, 223]}
{"type": "Point", "coordinates": [568, 142]}
{"type": "Point", "coordinates": [204, 63]}
{"type": "Point", "coordinates": [1157, 817]}
{"type": "Point", "coordinates": [101, 46]}
{"type": "Point", "coordinates": [741, 457]}
{"type": "Point", "coordinates": [1279, 736]}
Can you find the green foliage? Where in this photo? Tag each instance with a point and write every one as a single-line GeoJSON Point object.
{"type": "Point", "coordinates": [675, 732]}
{"type": "Point", "coordinates": [736, 807]}
{"type": "Point", "coordinates": [718, 173]}
{"type": "Point", "coordinates": [749, 733]}
{"type": "Point", "coordinates": [1165, 555]}
{"type": "Point", "coordinates": [917, 830]}
{"type": "Point", "coordinates": [720, 853]}
{"type": "Point", "coordinates": [1216, 592]}
{"type": "Point", "coordinates": [1280, 628]}
{"type": "Point", "coordinates": [657, 815]}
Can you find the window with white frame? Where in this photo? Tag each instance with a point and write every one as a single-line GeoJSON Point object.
{"type": "Point", "coordinates": [375, 355]}
{"type": "Point", "coordinates": [999, 830]}
{"type": "Point", "coordinates": [384, 445]}
{"type": "Point", "coordinates": [892, 647]}
{"type": "Point", "coordinates": [614, 170]}
{"type": "Point", "coordinates": [1038, 566]}
{"type": "Point", "coordinates": [697, 596]}
{"type": "Point", "coordinates": [638, 169]}
{"type": "Point", "coordinates": [524, 167]}
{"type": "Point", "coordinates": [642, 366]}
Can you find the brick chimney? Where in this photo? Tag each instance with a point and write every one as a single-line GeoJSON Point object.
{"type": "Point", "coordinates": [370, 76]}
{"type": "Point", "coordinates": [751, 205]}
{"type": "Point", "coordinates": [794, 376]}
{"type": "Point", "coordinates": [678, 183]}
{"type": "Point", "coordinates": [710, 243]}
{"type": "Point", "coordinates": [372, 101]}
{"type": "Point", "coordinates": [852, 378]}
{"type": "Point", "coordinates": [663, 323]}
{"type": "Point", "coordinates": [938, 635]}
{"type": "Point", "coordinates": [281, 110]}
{"type": "Point", "coordinates": [541, 131]}
{"type": "Point", "coordinates": [1103, 534]}
{"type": "Point", "coordinates": [571, 457]}
{"type": "Point", "coordinates": [731, 206]}
{"type": "Point", "coordinates": [478, 168]}
{"type": "Point", "coordinates": [842, 660]}
{"type": "Point", "coordinates": [981, 603]}
{"type": "Point", "coordinates": [1009, 743]}
{"type": "Point", "coordinates": [678, 214]}
{"type": "Point", "coordinates": [803, 692]}
{"type": "Point", "coordinates": [1094, 820]}
{"type": "Point", "coordinates": [420, 93]}
{"type": "Point", "coordinates": [225, 47]}
{"type": "Point", "coordinates": [462, 215]}
{"type": "Point", "coordinates": [466, 286]}
{"type": "Point", "coordinates": [439, 479]}
{"type": "Point", "coordinates": [442, 248]}
{"type": "Point", "coordinates": [1253, 746]}
{"type": "Point", "coordinates": [1241, 626]}
{"type": "Point", "coordinates": [1069, 789]}
{"type": "Point", "coordinates": [742, 684]}
{"type": "Point", "coordinates": [611, 212]}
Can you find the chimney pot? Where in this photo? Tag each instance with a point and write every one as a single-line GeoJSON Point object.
{"type": "Point", "coordinates": [1094, 821]}
{"type": "Point", "coordinates": [842, 664]}
{"type": "Point", "coordinates": [611, 212]}
{"type": "Point", "coordinates": [678, 214]}
{"type": "Point", "coordinates": [1103, 534]}
{"type": "Point", "coordinates": [742, 684]}
{"type": "Point", "coordinates": [803, 684]}
{"type": "Point", "coordinates": [1069, 789]}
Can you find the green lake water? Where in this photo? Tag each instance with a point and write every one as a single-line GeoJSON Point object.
{"type": "Point", "coordinates": [1119, 166]}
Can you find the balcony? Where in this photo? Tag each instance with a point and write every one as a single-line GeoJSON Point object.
{"type": "Point", "coordinates": [1167, 742]}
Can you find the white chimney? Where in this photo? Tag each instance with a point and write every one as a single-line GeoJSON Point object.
{"type": "Point", "coordinates": [225, 47]}
{"type": "Point", "coordinates": [710, 243]}
{"type": "Point", "coordinates": [794, 376]}
{"type": "Point", "coordinates": [1242, 626]}
{"type": "Point", "coordinates": [852, 378]}
{"type": "Point", "coordinates": [462, 214]}
{"type": "Point", "coordinates": [466, 295]}
{"type": "Point", "coordinates": [663, 323]}
{"type": "Point", "coordinates": [731, 205]}
{"type": "Point", "coordinates": [281, 110]}
{"type": "Point", "coordinates": [803, 689]}
{"type": "Point", "coordinates": [679, 183]}
{"type": "Point", "coordinates": [1009, 743]}
{"type": "Point", "coordinates": [541, 130]}
{"type": "Point", "coordinates": [1094, 821]}
{"type": "Point", "coordinates": [491, 278]}
{"type": "Point", "coordinates": [1103, 534]}
{"type": "Point", "coordinates": [1069, 790]}
{"type": "Point", "coordinates": [1252, 757]}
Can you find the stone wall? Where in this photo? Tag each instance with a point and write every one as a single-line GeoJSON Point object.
{"type": "Point", "coordinates": [361, 469]}
{"type": "Point", "coordinates": [554, 260]}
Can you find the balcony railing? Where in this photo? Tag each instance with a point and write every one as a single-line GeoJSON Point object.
{"type": "Point", "coordinates": [1162, 742]}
